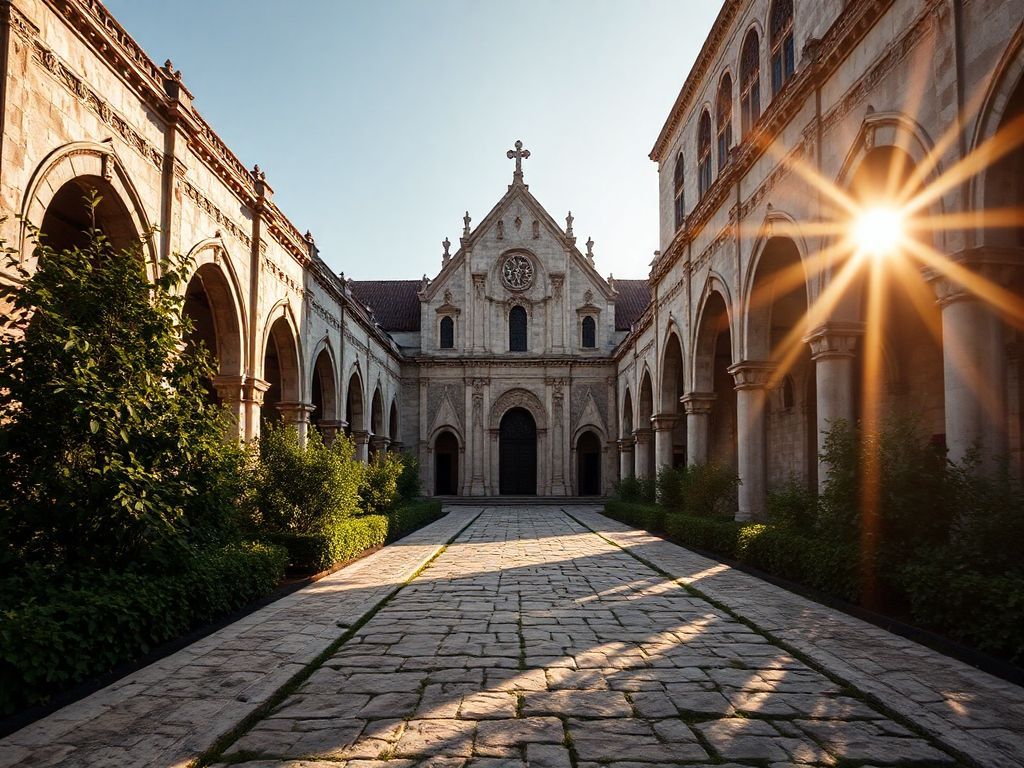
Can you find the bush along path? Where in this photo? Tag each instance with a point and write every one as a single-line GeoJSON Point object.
{"type": "Point", "coordinates": [170, 712]}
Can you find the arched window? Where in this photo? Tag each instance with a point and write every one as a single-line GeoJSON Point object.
{"type": "Point", "coordinates": [517, 330]}
{"type": "Point", "coordinates": [783, 52]}
{"type": "Point", "coordinates": [788, 392]}
{"type": "Point", "coordinates": [724, 116]}
{"type": "Point", "coordinates": [589, 333]}
{"type": "Point", "coordinates": [704, 154]}
{"type": "Point", "coordinates": [678, 179]}
{"type": "Point", "coordinates": [750, 82]}
{"type": "Point", "coordinates": [447, 333]}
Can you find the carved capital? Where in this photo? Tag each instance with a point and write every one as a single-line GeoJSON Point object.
{"type": "Point", "coordinates": [361, 436]}
{"type": "Point", "coordinates": [664, 422]}
{"type": "Point", "coordinates": [643, 436]}
{"type": "Point", "coordinates": [834, 340]}
{"type": "Point", "coordinates": [752, 374]}
{"type": "Point", "coordinates": [295, 413]}
{"type": "Point", "coordinates": [698, 402]}
{"type": "Point", "coordinates": [626, 444]}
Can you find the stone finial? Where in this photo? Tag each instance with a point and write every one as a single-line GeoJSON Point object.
{"type": "Point", "coordinates": [519, 154]}
{"type": "Point", "coordinates": [424, 282]}
{"type": "Point", "coordinates": [590, 248]}
{"type": "Point", "coordinates": [446, 244]}
{"type": "Point", "coordinates": [568, 224]}
{"type": "Point", "coordinates": [465, 224]}
{"type": "Point", "coordinates": [258, 174]}
{"type": "Point", "coordinates": [309, 237]}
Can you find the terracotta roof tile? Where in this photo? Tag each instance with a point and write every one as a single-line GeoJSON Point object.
{"type": "Point", "coordinates": [394, 302]}
{"type": "Point", "coordinates": [634, 296]}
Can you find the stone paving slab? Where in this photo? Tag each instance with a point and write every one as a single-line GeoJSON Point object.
{"type": "Point", "coordinates": [172, 711]}
{"type": "Point", "coordinates": [965, 709]}
{"type": "Point", "coordinates": [616, 666]}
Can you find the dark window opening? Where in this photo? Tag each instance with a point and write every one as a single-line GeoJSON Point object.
{"type": "Point", "coordinates": [517, 330]}
{"type": "Point", "coordinates": [589, 333]}
{"type": "Point", "coordinates": [447, 333]}
{"type": "Point", "coordinates": [783, 52]}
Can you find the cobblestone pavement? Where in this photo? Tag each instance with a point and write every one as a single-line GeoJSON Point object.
{"type": "Point", "coordinates": [171, 712]}
{"type": "Point", "coordinates": [534, 641]}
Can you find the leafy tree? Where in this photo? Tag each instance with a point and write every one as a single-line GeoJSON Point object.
{"type": "Point", "coordinates": [110, 451]}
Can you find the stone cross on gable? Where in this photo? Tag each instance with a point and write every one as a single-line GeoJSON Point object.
{"type": "Point", "coordinates": [519, 154]}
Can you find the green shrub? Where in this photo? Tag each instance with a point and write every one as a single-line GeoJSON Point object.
{"type": "Point", "coordinates": [982, 609]}
{"type": "Point", "coordinates": [646, 516]}
{"type": "Point", "coordinates": [636, 489]}
{"type": "Point", "coordinates": [59, 629]}
{"type": "Point", "coordinates": [793, 506]}
{"type": "Point", "coordinates": [306, 490]}
{"type": "Point", "coordinates": [379, 489]}
{"type": "Point", "coordinates": [316, 552]}
{"type": "Point", "coordinates": [111, 450]}
{"type": "Point", "coordinates": [409, 480]}
{"type": "Point", "coordinates": [699, 489]}
{"type": "Point", "coordinates": [714, 535]}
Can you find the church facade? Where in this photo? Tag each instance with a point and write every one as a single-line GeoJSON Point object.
{"type": "Point", "coordinates": [517, 368]}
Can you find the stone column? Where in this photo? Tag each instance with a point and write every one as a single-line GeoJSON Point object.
{"type": "Point", "coordinates": [495, 460]}
{"type": "Point", "coordinates": [664, 424]}
{"type": "Point", "coordinates": [559, 487]}
{"type": "Point", "coordinates": [626, 457]}
{"type": "Point", "coordinates": [642, 453]}
{"type": "Point", "coordinates": [379, 444]}
{"type": "Point", "coordinates": [253, 391]}
{"type": "Point", "coordinates": [362, 440]}
{"type": "Point", "coordinates": [477, 425]}
{"type": "Point", "coordinates": [751, 396]}
{"type": "Point", "coordinates": [974, 374]}
{"type": "Point", "coordinates": [698, 421]}
{"type": "Point", "coordinates": [231, 391]}
{"type": "Point", "coordinates": [832, 349]}
{"type": "Point", "coordinates": [330, 429]}
{"type": "Point", "coordinates": [297, 416]}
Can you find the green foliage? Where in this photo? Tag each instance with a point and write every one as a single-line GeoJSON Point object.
{"type": "Point", "coordinates": [379, 490]}
{"type": "Point", "coordinates": [58, 629]}
{"type": "Point", "coordinates": [916, 502]}
{"type": "Point", "coordinates": [316, 552]}
{"type": "Point", "coordinates": [409, 480]}
{"type": "Point", "coordinates": [110, 450]}
{"type": "Point", "coordinates": [636, 489]}
{"type": "Point", "coordinates": [699, 489]}
{"type": "Point", "coordinates": [646, 516]}
{"type": "Point", "coordinates": [303, 490]}
{"type": "Point", "coordinates": [793, 506]}
{"type": "Point", "coordinates": [983, 609]}
{"type": "Point", "coordinates": [708, 533]}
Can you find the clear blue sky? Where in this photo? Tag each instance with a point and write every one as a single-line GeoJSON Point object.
{"type": "Point", "coordinates": [379, 123]}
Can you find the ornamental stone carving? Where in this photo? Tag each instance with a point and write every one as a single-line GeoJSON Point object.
{"type": "Point", "coordinates": [517, 272]}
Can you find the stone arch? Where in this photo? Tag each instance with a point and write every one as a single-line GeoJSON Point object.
{"type": "Point", "coordinates": [1005, 88]}
{"type": "Point", "coordinates": [281, 364]}
{"type": "Point", "coordinates": [355, 410]}
{"type": "Point", "coordinates": [626, 426]}
{"type": "Point", "coordinates": [673, 369]}
{"type": "Point", "coordinates": [95, 165]}
{"type": "Point", "coordinates": [791, 276]}
{"type": "Point", "coordinates": [518, 398]}
{"type": "Point", "coordinates": [393, 421]}
{"type": "Point", "coordinates": [377, 411]}
{"type": "Point", "coordinates": [645, 462]}
{"type": "Point", "coordinates": [323, 386]}
{"type": "Point", "coordinates": [447, 449]}
{"type": "Point", "coordinates": [213, 283]}
{"type": "Point", "coordinates": [703, 345]}
{"type": "Point", "coordinates": [588, 458]}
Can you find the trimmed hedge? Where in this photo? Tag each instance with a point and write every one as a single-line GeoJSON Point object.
{"type": "Point", "coordinates": [56, 632]}
{"type": "Point", "coordinates": [983, 610]}
{"type": "Point", "coordinates": [315, 552]}
{"type": "Point", "coordinates": [781, 552]}
{"type": "Point", "coordinates": [647, 516]}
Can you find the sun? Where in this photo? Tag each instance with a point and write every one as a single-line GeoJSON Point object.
{"type": "Point", "coordinates": [878, 231]}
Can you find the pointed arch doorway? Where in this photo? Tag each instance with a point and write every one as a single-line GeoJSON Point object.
{"type": "Point", "coordinates": [517, 454]}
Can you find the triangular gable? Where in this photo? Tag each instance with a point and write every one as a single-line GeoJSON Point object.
{"type": "Point", "coordinates": [447, 415]}
{"type": "Point", "coordinates": [591, 414]}
{"type": "Point", "coordinates": [518, 193]}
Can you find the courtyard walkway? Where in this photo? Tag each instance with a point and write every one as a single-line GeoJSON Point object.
{"type": "Point", "coordinates": [547, 637]}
